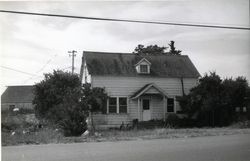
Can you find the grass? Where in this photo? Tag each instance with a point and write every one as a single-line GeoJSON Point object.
{"type": "Point", "coordinates": [18, 130]}
{"type": "Point", "coordinates": [48, 135]}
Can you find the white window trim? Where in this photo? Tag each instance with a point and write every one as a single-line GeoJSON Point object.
{"type": "Point", "coordinates": [117, 104]}
{"type": "Point", "coordinates": [148, 69]}
{"type": "Point", "coordinates": [174, 105]}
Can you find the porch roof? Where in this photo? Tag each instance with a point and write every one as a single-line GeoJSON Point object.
{"type": "Point", "coordinates": [145, 88]}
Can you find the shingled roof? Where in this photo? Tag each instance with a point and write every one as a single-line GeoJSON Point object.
{"type": "Point", "coordinates": [18, 94]}
{"type": "Point", "coordinates": [123, 64]}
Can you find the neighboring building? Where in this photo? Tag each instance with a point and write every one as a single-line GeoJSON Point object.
{"type": "Point", "coordinates": [17, 97]}
{"type": "Point", "coordinates": [142, 87]}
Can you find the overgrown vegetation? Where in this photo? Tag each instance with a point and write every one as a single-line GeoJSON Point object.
{"type": "Point", "coordinates": [213, 102]}
{"type": "Point", "coordinates": [61, 100]}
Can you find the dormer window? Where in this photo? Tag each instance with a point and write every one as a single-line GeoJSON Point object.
{"type": "Point", "coordinates": [143, 66]}
{"type": "Point", "coordinates": [144, 69]}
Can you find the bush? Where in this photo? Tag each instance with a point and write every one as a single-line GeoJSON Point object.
{"type": "Point", "coordinates": [74, 123]}
{"type": "Point", "coordinates": [173, 120]}
{"type": "Point", "coordinates": [212, 102]}
{"type": "Point", "coordinates": [58, 100]}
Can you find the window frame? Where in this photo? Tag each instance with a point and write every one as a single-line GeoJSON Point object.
{"type": "Point", "coordinates": [108, 109]}
{"type": "Point", "coordinates": [147, 68]}
{"type": "Point", "coordinates": [173, 106]}
{"type": "Point", "coordinates": [120, 105]}
{"type": "Point", "coordinates": [117, 105]}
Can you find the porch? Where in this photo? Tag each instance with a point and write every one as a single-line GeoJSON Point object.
{"type": "Point", "coordinates": [153, 103]}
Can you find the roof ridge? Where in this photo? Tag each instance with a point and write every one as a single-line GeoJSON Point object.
{"type": "Point", "coordinates": [20, 86]}
{"type": "Point", "coordinates": [101, 52]}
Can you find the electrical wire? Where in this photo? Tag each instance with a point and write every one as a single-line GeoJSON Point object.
{"type": "Point", "coordinates": [18, 70]}
{"type": "Point", "coordinates": [127, 20]}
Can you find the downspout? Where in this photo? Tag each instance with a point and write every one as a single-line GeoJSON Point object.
{"type": "Point", "coordinates": [182, 86]}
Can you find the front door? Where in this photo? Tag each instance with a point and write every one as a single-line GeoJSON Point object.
{"type": "Point", "coordinates": [146, 110]}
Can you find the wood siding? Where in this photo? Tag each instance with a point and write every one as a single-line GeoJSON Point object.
{"type": "Point", "coordinates": [104, 121]}
{"type": "Point", "coordinates": [6, 106]}
{"type": "Point", "coordinates": [126, 86]}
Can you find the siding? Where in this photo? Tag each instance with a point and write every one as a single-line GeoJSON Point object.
{"type": "Point", "coordinates": [126, 86]}
{"type": "Point", "coordinates": [156, 107]}
{"type": "Point", "coordinates": [6, 106]}
{"type": "Point", "coordinates": [104, 121]}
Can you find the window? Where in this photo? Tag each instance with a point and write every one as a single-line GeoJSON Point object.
{"type": "Point", "coordinates": [117, 105]}
{"type": "Point", "coordinates": [145, 104]}
{"type": "Point", "coordinates": [112, 105]}
{"type": "Point", "coordinates": [170, 107]}
{"type": "Point", "coordinates": [122, 105]}
{"type": "Point", "coordinates": [143, 68]}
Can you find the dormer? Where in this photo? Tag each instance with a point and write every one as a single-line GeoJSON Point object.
{"type": "Point", "coordinates": [143, 66]}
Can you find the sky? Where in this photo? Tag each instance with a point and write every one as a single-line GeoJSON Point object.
{"type": "Point", "coordinates": [36, 45]}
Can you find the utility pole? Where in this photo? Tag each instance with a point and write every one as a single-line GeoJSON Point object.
{"type": "Point", "coordinates": [73, 58]}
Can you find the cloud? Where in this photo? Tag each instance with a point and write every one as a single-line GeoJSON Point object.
{"type": "Point", "coordinates": [28, 42]}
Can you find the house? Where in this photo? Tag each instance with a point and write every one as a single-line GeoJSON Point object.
{"type": "Point", "coordinates": [142, 87]}
{"type": "Point", "coordinates": [17, 97]}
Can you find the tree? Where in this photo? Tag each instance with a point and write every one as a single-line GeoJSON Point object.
{"type": "Point", "coordinates": [58, 100]}
{"type": "Point", "coordinates": [62, 100]}
{"type": "Point", "coordinates": [173, 50]}
{"type": "Point", "coordinates": [156, 50]}
{"type": "Point", "coordinates": [212, 102]}
{"type": "Point", "coordinates": [151, 49]}
{"type": "Point", "coordinates": [95, 99]}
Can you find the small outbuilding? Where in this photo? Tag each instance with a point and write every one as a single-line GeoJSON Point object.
{"type": "Point", "coordinates": [17, 97]}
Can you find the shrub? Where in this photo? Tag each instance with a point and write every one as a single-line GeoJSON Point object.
{"type": "Point", "coordinates": [173, 120]}
{"type": "Point", "coordinates": [58, 100]}
{"type": "Point", "coordinates": [74, 123]}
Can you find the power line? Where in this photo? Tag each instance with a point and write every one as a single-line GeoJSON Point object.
{"type": "Point", "coordinates": [34, 77]}
{"type": "Point", "coordinates": [43, 67]}
{"type": "Point", "coordinates": [18, 70]}
{"type": "Point", "coordinates": [127, 20]}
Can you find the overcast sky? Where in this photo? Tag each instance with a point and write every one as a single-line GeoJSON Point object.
{"type": "Point", "coordinates": [38, 45]}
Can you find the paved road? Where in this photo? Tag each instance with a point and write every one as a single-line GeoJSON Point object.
{"type": "Point", "coordinates": [214, 148]}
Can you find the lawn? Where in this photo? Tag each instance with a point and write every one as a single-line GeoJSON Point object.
{"type": "Point", "coordinates": [19, 129]}
{"type": "Point", "coordinates": [48, 135]}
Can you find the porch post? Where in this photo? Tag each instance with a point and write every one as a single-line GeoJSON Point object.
{"type": "Point", "coordinates": [164, 108]}
{"type": "Point", "coordinates": [138, 104]}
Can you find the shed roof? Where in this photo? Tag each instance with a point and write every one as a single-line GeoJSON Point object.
{"type": "Point", "coordinates": [123, 64]}
{"type": "Point", "coordinates": [18, 94]}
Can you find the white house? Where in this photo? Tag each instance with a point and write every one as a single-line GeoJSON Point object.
{"type": "Point", "coordinates": [142, 87]}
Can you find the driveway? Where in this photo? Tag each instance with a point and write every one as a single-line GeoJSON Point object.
{"type": "Point", "coordinates": [214, 148]}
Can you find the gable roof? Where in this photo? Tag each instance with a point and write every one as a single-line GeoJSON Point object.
{"type": "Point", "coordinates": [18, 94]}
{"type": "Point", "coordinates": [123, 64]}
{"type": "Point", "coordinates": [143, 60]}
{"type": "Point", "coordinates": [145, 88]}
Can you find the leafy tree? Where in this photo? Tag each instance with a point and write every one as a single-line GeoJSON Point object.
{"type": "Point", "coordinates": [58, 100]}
{"type": "Point", "coordinates": [95, 98]}
{"type": "Point", "coordinates": [62, 100]}
{"type": "Point", "coordinates": [173, 50]}
{"type": "Point", "coordinates": [151, 49]}
{"type": "Point", "coordinates": [156, 50]}
{"type": "Point", "coordinates": [53, 90]}
{"type": "Point", "coordinates": [212, 102]}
